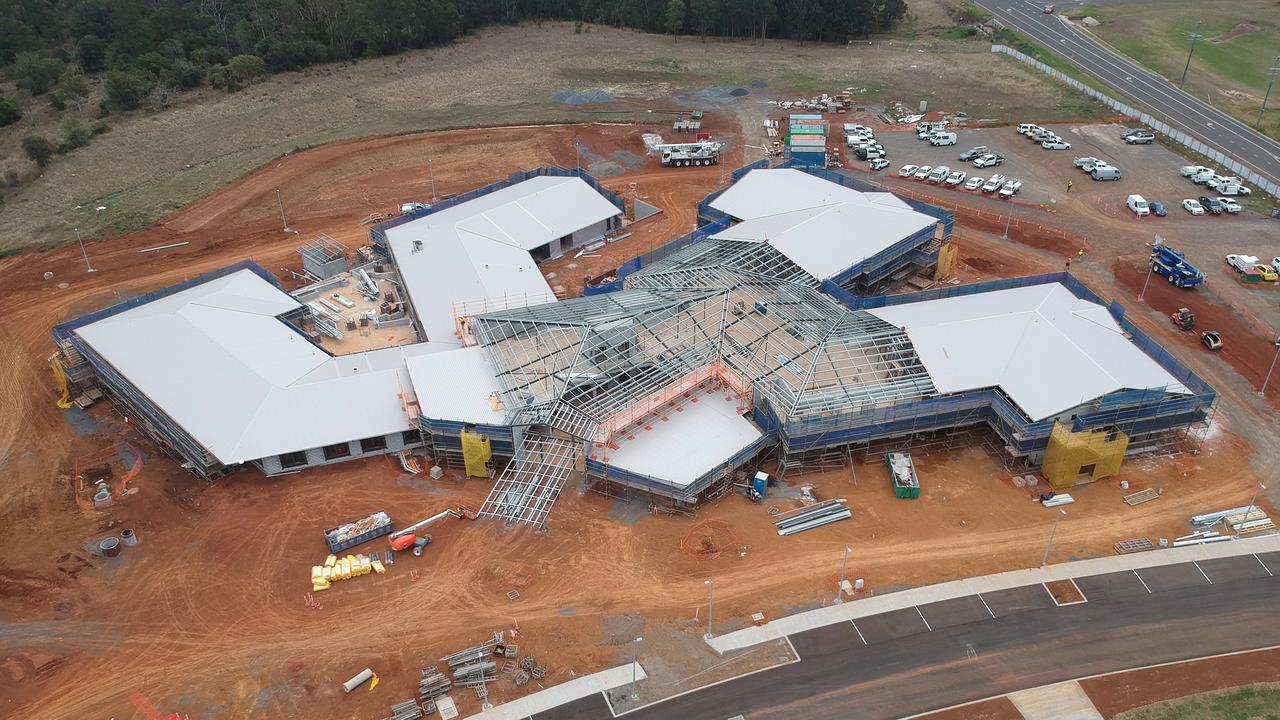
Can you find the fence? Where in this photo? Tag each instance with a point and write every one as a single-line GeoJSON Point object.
{"type": "Point", "coordinates": [1146, 119]}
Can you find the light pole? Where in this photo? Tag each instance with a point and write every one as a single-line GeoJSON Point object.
{"type": "Point", "coordinates": [280, 202]}
{"type": "Point", "coordinates": [83, 251]}
{"type": "Point", "coordinates": [1262, 392]}
{"type": "Point", "coordinates": [1252, 500]}
{"type": "Point", "coordinates": [1151, 266]}
{"type": "Point", "coordinates": [577, 154]}
{"type": "Point", "coordinates": [634, 695]}
{"type": "Point", "coordinates": [711, 603]}
{"type": "Point", "coordinates": [1194, 37]}
{"type": "Point", "coordinates": [840, 586]}
{"type": "Point", "coordinates": [1045, 560]}
{"type": "Point", "coordinates": [1272, 73]}
{"type": "Point", "coordinates": [431, 169]}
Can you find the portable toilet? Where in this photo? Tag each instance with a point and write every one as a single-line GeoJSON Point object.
{"type": "Point", "coordinates": [760, 484]}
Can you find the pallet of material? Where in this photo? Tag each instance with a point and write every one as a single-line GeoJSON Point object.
{"type": "Point", "coordinates": [1141, 496]}
{"type": "Point", "coordinates": [1124, 547]}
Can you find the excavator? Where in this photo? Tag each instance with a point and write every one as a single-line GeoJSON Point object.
{"type": "Point", "coordinates": [409, 539]}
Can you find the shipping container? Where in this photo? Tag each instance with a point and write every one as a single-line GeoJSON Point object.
{"type": "Point", "coordinates": [795, 117]}
{"type": "Point", "coordinates": [808, 130]}
{"type": "Point", "coordinates": [807, 140]}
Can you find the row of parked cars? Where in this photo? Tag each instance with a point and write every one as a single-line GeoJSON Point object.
{"type": "Point", "coordinates": [1140, 206]}
{"type": "Point", "coordinates": [1224, 184]}
{"type": "Point", "coordinates": [1043, 137]}
{"type": "Point", "coordinates": [1249, 265]}
{"type": "Point", "coordinates": [944, 175]}
{"type": "Point", "coordinates": [1097, 168]}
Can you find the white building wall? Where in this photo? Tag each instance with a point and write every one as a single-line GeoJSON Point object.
{"type": "Point", "coordinates": [315, 456]}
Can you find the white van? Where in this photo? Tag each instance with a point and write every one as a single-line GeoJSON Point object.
{"type": "Point", "coordinates": [1138, 205]}
{"type": "Point", "coordinates": [942, 138]}
{"type": "Point", "coordinates": [1027, 128]}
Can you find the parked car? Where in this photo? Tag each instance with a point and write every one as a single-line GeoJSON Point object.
{"type": "Point", "coordinates": [1141, 137]}
{"type": "Point", "coordinates": [988, 160]}
{"type": "Point", "coordinates": [942, 138]}
{"type": "Point", "coordinates": [1267, 272]}
{"type": "Point", "coordinates": [956, 178]}
{"type": "Point", "coordinates": [1080, 162]}
{"type": "Point", "coordinates": [1011, 188]}
{"type": "Point", "coordinates": [1138, 205]}
{"type": "Point", "coordinates": [974, 182]}
{"type": "Point", "coordinates": [1131, 131]}
{"type": "Point", "coordinates": [1241, 263]}
{"type": "Point", "coordinates": [1048, 9]}
{"type": "Point", "coordinates": [1041, 134]}
{"type": "Point", "coordinates": [1192, 207]}
{"type": "Point", "coordinates": [1056, 144]}
{"type": "Point", "coordinates": [907, 171]}
{"type": "Point", "coordinates": [1203, 176]}
{"type": "Point", "coordinates": [1234, 189]}
{"type": "Point", "coordinates": [993, 184]}
{"type": "Point", "coordinates": [939, 174]}
{"type": "Point", "coordinates": [1089, 166]}
{"type": "Point", "coordinates": [1275, 264]}
{"type": "Point", "coordinates": [1211, 205]}
{"type": "Point", "coordinates": [972, 153]}
{"type": "Point", "coordinates": [879, 164]}
{"type": "Point", "coordinates": [1229, 204]}
{"type": "Point", "coordinates": [923, 172]}
{"type": "Point", "coordinates": [1190, 170]}
{"type": "Point", "coordinates": [1218, 182]}
{"type": "Point", "coordinates": [1211, 339]}
{"type": "Point", "coordinates": [1157, 208]}
{"type": "Point", "coordinates": [1027, 128]}
{"type": "Point", "coordinates": [1105, 172]}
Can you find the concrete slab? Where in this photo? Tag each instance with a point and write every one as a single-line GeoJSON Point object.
{"type": "Point", "coordinates": [1111, 586]}
{"type": "Point", "coordinates": [957, 611]}
{"type": "Point", "coordinates": [578, 688]}
{"type": "Point", "coordinates": [1020, 599]}
{"type": "Point", "coordinates": [831, 639]}
{"type": "Point", "coordinates": [1168, 578]}
{"type": "Point", "coordinates": [891, 625]}
{"type": "Point", "coordinates": [1064, 701]}
{"type": "Point", "coordinates": [1243, 567]}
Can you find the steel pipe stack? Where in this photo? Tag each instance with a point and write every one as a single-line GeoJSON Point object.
{"type": "Point", "coordinates": [407, 710]}
{"type": "Point", "coordinates": [476, 672]}
{"type": "Point", "coordinates": [433, 683]}
{"type": "Point", "coordinates": [811, 517]}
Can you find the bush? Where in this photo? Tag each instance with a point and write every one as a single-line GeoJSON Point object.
{"type": "Point", "coordinates": [74, 135]}
{"type": "Point", "coordinates": [38, 149]}
{"type": "Point", "coordinates": [100, 127]}
{"type": "Point", "coordinates": [72, 90]}
{"type": "Point", "coordinates": [10, 113]}
{"type": "Point", "coordinates": [91, 53]}
{"type": "Point", "coordinates": [35, 74]}
{"type": "Point", "coordinates": [11, 178]}
{"type": "Point", "coordinates": [125, 89]}
{"type": "Point", "coordinates": [181, 74]}
{"type": "Point", "coordinates": [247, 68]}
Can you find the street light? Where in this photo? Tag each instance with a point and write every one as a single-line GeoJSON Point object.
{"type": "Point", "coordinates": [711, 602]}
{"type": "Point", "coordinates": [1194, 37]}
{"type": "Point", "coordinates": [1045, 560]}
{"type": "Point", "coordinates": [840, 586]}
{"type": "Point", "coordinates": [634, 695]}
{"type": "Point", "coordinates": [432, 169]}
{"type": "Point", "coordinates": [1262, 392]}
{"type": "Point", "coordinates": [280, 202]}
{"type": "Point", "coordinates": [1151, 266]}
{"type": "Point", "coordinates": [1252, 500]}
{"type": "Point", "coordinates": [1272, 73]}
{"type": "Point", "coordinates": [83, 251]}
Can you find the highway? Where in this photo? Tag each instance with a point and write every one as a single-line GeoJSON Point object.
{"type": "Point", "coordinates": [922, 658]}
{"type": "Point", "coordinates": [1141, 87]}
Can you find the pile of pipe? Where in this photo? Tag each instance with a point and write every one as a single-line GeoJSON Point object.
{"type": "Point", "coordinates": [813, 516]}
{"type": "Point", "coordinates": [475, 673]}
{"type": "Point", "coordinates": [407, 710]}
{"type": "Point", "coordinates": [1200, 537]}
{"type": "Point", "coordinates": [433, 683]}
{"type": "Point", "coordinates": [472, 654]}
{"type": "Point", "coordinates": [1214, 518]}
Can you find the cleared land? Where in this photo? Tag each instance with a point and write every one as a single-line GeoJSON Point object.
{"type": "Point", "coordinates": [1254, 701]}
{"type": "Point", "coordinates": [1229, 67]}
{"type": "Point", "coordinates": [150, 165]}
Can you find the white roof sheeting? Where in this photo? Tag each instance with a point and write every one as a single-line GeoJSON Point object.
{"type": "Point", "coordinates": [457, 385]}
{"type": "Point", "coordinates": [218, 361]}
{"type": "Point", "coordinates": [1048, 350]}
{"type": "Point", "coordinates": [823, 227]}
{"type": "Point", "coordinates": [479, 249]}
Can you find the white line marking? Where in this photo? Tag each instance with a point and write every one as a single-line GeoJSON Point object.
{"type": "Point", "coordinates": [1206, 577]}
{"type": "Point", "coordinates": [855, 627]}
{"type": "Point", "coordinates": [985, 605]}
{"type": "Point", "coordinates": [793, 648]}
{"type": "Point", "coordinates": [1264, 565]}
{"type": "Point", "coordinates": [926, 622]}
{"type": "Point", "coordinates": [1144, 582]}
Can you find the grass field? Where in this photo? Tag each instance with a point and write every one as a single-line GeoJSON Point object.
{"type": "Point", "coordinates": [1251, 702]}
{"type": "Point", "coordinates": [151, 164]}
{"type": "Point", "coordinates": [1229, 67]}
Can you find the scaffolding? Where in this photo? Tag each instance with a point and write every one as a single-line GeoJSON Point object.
{"type": "Point", "coordinates": [531, 483]}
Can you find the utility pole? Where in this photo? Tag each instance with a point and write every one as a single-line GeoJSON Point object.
{"type": "Point", "coordinates": [280, 201]}
{"type": "Point", "coordinates": [634, 695]}
{"type": "Point", "coordinates": [1194, 37]}
{"type": "Point", "coordinates": [83, 251]}
{"type": "Point", "coordinates": [1272, 73]}
{"type": "Point", "coordinates": [1262, 392]}
{"type": "Point", "coordinates": [840, 586]}
{"type": "Point", "coordinates": [431, 169]}
{"type": "Point", "coordinates": [711, 602]}
{"type": "Point", "coordinates": [1045, 560]}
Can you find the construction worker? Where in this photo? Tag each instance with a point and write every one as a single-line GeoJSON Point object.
{"type": "Point", "coordinates": [1068, 264]}
{"type": "Point", "coordinates": [1068, 186]}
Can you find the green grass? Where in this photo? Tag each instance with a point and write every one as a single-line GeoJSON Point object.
{"type": "Point", "coordinates": [1020, 42]}
{"type": "Point", "coordinates": [956, 33]}
{"type": "Point", "coordinates": [1231, 74]}
{"type": "Point", "coordinates": [1251, 702]}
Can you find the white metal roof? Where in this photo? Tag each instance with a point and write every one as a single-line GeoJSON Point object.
{"type": "Point", "coordinates": [458, 385]}
{"type": "Point", "coordinates": [218, 361]}
{"type": "Point", "coordinates": [690, 444]}
{"type": "Point", "coordinates": [479, 250]}
{"type": "Point", "coordinates": [1048, 350]}
{"type": "Point", "coordinates": [823, 227]}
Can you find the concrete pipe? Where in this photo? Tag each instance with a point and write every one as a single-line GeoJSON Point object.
{"type": "Point", "coordinates": [110, 547]}
{"type": "Point", "coordinates": [361, 678]}
{"type": "Point", "coordinates": [129, 537]}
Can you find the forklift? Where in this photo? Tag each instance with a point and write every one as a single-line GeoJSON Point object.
{"type": "Point", "coordinates": [1183, 319]}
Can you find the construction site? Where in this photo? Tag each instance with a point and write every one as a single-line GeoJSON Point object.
{"type": "Point", "coordinates": [540, 411]}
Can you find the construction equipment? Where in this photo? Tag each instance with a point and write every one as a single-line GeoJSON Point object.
{"type": "Point", "coordinates": [1211, 339]}
{"type": "Point", "coordinates": [406, 539]}
{"type": "Point", "coordinates": [1174, 267]}
{"type": "Point", "coordinates": [686, 154]}
{"type": "Point", "coordinates": [1183, 319]}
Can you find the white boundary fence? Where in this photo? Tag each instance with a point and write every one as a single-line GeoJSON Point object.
{"type": "Point", "coordinates": [1146, 119]}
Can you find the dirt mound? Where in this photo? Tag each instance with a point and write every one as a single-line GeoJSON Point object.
{"type": "Point", "coordinates": [1235, 32]}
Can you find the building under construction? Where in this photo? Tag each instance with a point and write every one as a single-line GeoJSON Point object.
{"type": "Point", "coordinates": [705, 358]}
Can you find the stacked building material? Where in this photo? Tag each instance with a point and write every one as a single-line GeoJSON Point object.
{"type": "Point", "coordinates": [1200, 537]}
{"type": "Point", "coordinates": [475, 673]}
{"type": "Point", "coordinates": [1251, 521]}
{"type": "Point", "coordinates": [1216, 517]}
{"type": "Point", "coordinates": [407, 710]}
{"type": "Point", "coordinates": [811, 517]}
{"type": "Point", "coordinates": [472, 654]}
{"type": "Point", "coordinates": [433, 683]}
{"type": "Point", "coordinates": [345, 568]}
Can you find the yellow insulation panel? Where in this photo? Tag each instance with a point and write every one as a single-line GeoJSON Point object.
{"type": "Point", "coordinates": [1098, 453]}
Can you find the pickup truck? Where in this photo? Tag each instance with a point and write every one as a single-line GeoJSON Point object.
{"type": "Point", "coordinates": [939, 174]}
{"type": "Point", "coordinates": [993, 184]}
{"type": "Point", "coordinates": [988, 160]}
{"type": "Point", "coordinates": [1011, 188]}
{"type": "Point", "coordinates": [956, 177]}
{"type": "Point", "coordinates": [1242, 263]}
{"type": "Point", "coordinates": [972, 153]}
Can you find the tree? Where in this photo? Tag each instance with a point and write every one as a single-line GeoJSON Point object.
{"type": "Point", "coordinates": [10, 113]}
{"type": "Point", "coordinates": [91, 53]}
{"type": "Point", "coordinates": [675, 17]}
{"type": "Point", "coordinates": [15, 37]}
{"type": "Point", "coordinates": [38, 149]}
{"type": "Point", "coordinates": [72, 89]}
{"type": "Point", "coordinates": [33, 73]}
{"type": "Point", "coordinates": [246, 68]}
{"type": "Point", "coordinates": [700, 12]}
{"type": "Point", "coordinates": [126, 88]}
{"type": "Point", "coordinates": [74, 135]}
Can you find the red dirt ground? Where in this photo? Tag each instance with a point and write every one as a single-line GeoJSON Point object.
{"type": "Point", "coordinates": [1000, 708]}
{"type": "Point", "coordinates": [206, 615]}
{"type": "Point", "coordinates": [1114, 694]}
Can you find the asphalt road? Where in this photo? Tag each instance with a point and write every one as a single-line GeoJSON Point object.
{"type": "Point", "coordinates": [1158, 95]}
{"type": "Point", "coordinates": [907, 662]}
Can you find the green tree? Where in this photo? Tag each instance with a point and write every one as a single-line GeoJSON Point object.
{"type": "Point", "coordinates": [38, 149]}
{"type": "Point", "coordinates": [246, 68]}
{"type": "Point", "coordinates": [15, 37]}
{"type": "Point", "coordinates": [35, 74]}
{"type": "Point", "coordinates": [676, 10]}
{"type": "Point", "coordinates": [701, 13]}
{"type": "Point", "coordinates": [126, 88]}
{"type": "Point", "coordinates": [91, 53]}
{"type": "Point", "coordinates": [10, 113]}
{"type": "Point", "coordinates": [72, 89]}
{"type": "Point", "coordinates": [74, 135]}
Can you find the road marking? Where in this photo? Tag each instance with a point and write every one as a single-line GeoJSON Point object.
{"type": "Point", "coordinates": [1144, 582]}
{"type": "Point", "coordinates": [1264, 565]}
{"type": "Point", "coordinates": [926, 622]}
{"type": "Point", "coordinates": [793, 648]}
{"type": "Point", "coordinates": [985, 605]}
{"type": "Point", "coordinates": [855, 627]}
{"type": "Point", "coordinates": [1206, 577]}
